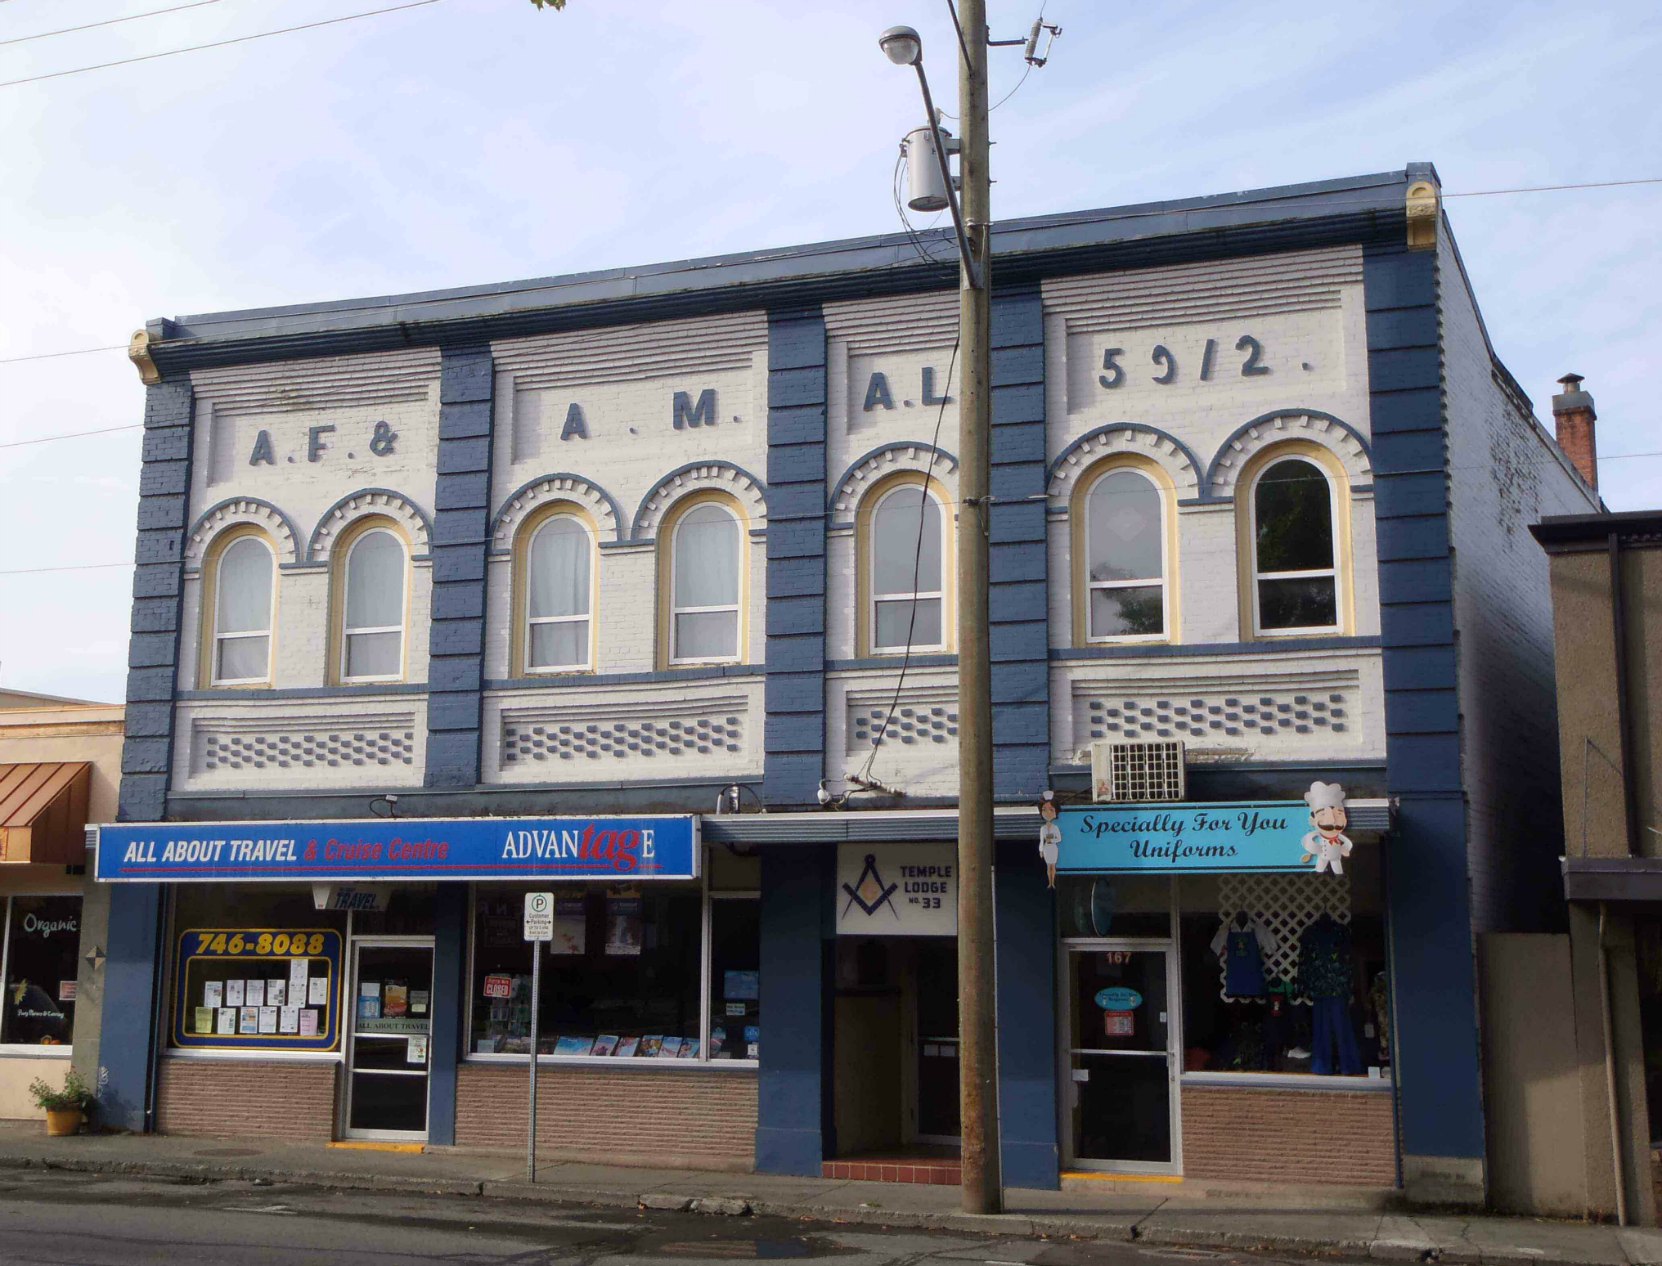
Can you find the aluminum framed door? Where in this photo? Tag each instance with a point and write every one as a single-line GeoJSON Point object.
{"type": "Point", "coordinates": [1120, 1057]}
{"type": "Point", "coordinates": [389, 1044]}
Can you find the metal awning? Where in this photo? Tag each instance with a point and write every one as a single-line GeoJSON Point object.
{"type": "Point", "coordinates": [1612, 878]}
{"type": "Point", "coordinates": [43, 812]}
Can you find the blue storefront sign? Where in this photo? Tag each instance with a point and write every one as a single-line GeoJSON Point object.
{"type": "Point", "coordinates": [1198, 838]}
{"type": "Point", "coordinates": [610, 849]}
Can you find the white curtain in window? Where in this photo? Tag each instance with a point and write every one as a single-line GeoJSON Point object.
{"type": "Point", "coordinates": [1125, 556]}
{"type": "Point", "coordinates": [906, 564]}
{"type": "Point", "coordinates": [705, 591]}
{"type": "Point", "coordinates": [374, 630]}
{"type": "Point", "coordinates": [242, 620]}
{"type": "Point", "coordinates": [557, 604]}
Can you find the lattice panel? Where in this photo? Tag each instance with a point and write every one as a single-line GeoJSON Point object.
{"type": "Point", "coordinates": [669, 734]}
{"type": "Point", "coordinates": [1286, 904]}
{"type": "Point", "coordinates": [921, 720]}
{"type": "Point", "coordinates": [1182, 715]}
{"type": "Point", "coordinates": [308, 750]}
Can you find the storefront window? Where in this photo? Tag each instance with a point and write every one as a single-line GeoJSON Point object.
{"type": "Point", "coordinates": [622, 979]}
{"type": "Point", "coordinates": [40, 961]}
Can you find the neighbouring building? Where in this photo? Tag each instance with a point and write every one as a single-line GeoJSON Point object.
{"type": "Point", "coordinates": [636, 587]}
{"type": "Point", "coordinates": [60, 762]}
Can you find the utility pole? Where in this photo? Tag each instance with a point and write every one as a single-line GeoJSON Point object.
{"type": "Point", "coordinates": [977, 1005]}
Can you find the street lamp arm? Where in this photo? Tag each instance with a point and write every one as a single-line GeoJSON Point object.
{"type": "Point", "coordinates": [972, 266]}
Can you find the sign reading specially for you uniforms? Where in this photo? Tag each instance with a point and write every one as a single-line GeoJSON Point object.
{"type": "Point", "coordinates": [897, 889]}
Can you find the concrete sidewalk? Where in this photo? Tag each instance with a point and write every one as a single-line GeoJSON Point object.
{"type": "Point", "coordinates": [1152, 1213]}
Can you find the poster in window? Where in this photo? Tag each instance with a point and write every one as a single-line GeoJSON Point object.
{"type": "Point", "coordinates": [233, 993]}
{"type": "Point", "coordinates": [288, 1020]}
{"type": "Point", "coordinates": [298, 969]}
{"type": "Point", "coordinates": [742, 986]}
{"type": "Point", "coordinates": [276, 993]}
{"type": "Point", "coordinates": [268, 1019]}
{"type": "Point", "coordinates": [571, 926]}
{"type": "Point", "coordinates": [395, 999]}
{"type": "Point", "coordinates": [248, 1021]}
{"type": "Point", "coordinates": [213, 993]}
{"type": "Point", "coordinates": [227, 1021]}
{"type": "Point", "coordinates": [623, 925]}
{"type": "Point", "coordinates": [253, 993]}
{"type": "Point", "coordinates": [204, 1020]}
{"type": "Point", "coordinates": [627, 1048]}
{"type": "Point", "coordinates": [308, 1022]}
{"type": "Point", "coordinates": [317, 991]}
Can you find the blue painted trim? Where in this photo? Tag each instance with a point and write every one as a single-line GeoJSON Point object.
{"type": "Point", "coordinates": [842, 480]}
{"type": "Point", "coordinates": [294, 532]}
{"type": "Point", "coordinates": [793, 1109]}
{"type": "Point", "coordinates": [891, 662]}
{"type": "Point", "coordinates": [635, 537]}
{"type": "Point", "coordinates": [1138, 428]}
{"type": "Point", "coordinates": [127, 1047]}
{"type": "Point", "coordinates": [450, 928]}
{"type": "Point", "coordinates": [1212, 470]}
{"type": "Point", "coordinates": [496, 521]}
{"type": "Point", "coordinates": [426, 519]}
{"type": "Point", "coordinates": [1026, 981]}
{"type": "Point", "coordinates": [580, 681]}
{"type": "Point", "coordinates": [1143, 650]}
{"type": "Point", "coordinates": [306, 692]}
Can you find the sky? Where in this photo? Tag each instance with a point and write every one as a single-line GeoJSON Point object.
{"type": "Point", "coordinates": [473, 141]}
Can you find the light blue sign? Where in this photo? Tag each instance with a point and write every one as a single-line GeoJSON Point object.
{"type": "Point", "coordinates": [1112, 839]}
{"type": "Point", "coordinates": [1119, 998]}
{"type": "Point", "coordinates": [610, 849]}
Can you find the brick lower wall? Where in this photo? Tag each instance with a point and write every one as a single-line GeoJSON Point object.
{"type": "Point", "coordinates": [274, 1099]}
{"type": "Point", "coordinates": [694, 1120]}
{"type": "Point", "coordinates": [1288, 1136]}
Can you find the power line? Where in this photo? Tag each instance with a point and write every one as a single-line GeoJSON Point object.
{"type": "Point", "coordinates": [240, 39]}
{"type": "Point", "coordinates": [131, 17]}
{"type": "Point", "coordinates": [79, 351]}
{"type": "Point", "coordinates": [72, 435]}
{"type": "Point", "coordinates": [35, 571]}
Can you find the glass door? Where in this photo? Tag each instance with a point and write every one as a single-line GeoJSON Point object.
{"type": "Point", "coordinates": [389, 1051]}
{"type": "Point", "coordinates": [1120, 1100]}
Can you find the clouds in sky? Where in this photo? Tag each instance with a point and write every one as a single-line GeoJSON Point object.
{"type": "Point", "coordinates": [474, 141]}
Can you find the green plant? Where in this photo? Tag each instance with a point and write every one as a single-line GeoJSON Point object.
{"type": "Point", "coordinates": [75, 1094]}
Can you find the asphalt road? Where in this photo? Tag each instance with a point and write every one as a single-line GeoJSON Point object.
{"type": "Point", "coordinates": [61, 1218]}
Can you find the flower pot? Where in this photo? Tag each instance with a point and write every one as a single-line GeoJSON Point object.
{"type": "Point", "coordinates": [61, 1121]}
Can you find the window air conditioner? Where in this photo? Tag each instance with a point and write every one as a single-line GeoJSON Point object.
{"type": "Point", "coordinates": [1136, 772]}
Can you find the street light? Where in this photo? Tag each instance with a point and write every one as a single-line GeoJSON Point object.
{"type": "Point", "coordinates": [901, 45]}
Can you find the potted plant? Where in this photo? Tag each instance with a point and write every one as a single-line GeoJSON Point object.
{"type": "Point", "coordinates": [66, 1108]}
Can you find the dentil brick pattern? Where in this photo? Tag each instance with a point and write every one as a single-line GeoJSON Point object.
{"type": "Point", "coordinates": [1289, 1136]}
{"type": "Point", "coordinates": [274, 1099]}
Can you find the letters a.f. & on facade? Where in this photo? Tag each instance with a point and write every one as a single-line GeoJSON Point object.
{"type": "Point", "coordinates": [672, 552]}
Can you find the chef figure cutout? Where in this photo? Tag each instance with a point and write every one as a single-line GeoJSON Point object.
{"type": "Point", "coordinates": [1327, 845]}
{"type": "Point", "coordinates": [1050, 836]}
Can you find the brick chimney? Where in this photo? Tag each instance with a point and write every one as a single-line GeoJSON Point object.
{"type": "Point", "coordinates": [1572, 413]}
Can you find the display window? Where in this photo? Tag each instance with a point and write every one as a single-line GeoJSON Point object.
{"type": "Point", "coordinates": [634, 972]}
{"type": "Point", "coordinates": [40, 940]}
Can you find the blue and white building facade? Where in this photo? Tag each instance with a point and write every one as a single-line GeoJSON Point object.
{"type": "Point", "coordinates": [610, 546]}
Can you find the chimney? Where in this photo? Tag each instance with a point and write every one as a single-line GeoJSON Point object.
{"type": "Point", "coordinates": [1572, 414]}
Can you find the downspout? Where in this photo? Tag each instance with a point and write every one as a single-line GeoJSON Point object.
{"type": "Point", "coordinates": [1616, 1132]}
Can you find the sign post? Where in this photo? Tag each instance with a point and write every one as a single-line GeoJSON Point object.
{"type": "Point", "coordinates": [539, 927]}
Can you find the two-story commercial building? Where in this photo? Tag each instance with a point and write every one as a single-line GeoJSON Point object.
{"type": "Point", "coordinates": [636, 587]}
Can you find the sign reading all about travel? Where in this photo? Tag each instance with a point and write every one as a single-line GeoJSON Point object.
{"type": "Point", "coordinates": [1109, 839]}
{"type": "Point", "coordinates": [897, 890]}
{"type": "Point", "coordinates": [617, 849]}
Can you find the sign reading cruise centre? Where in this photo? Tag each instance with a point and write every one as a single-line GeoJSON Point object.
{"type": "Point", "coordinates": [615, 849]}
{"type": "Point", "coordinates": [1204, 838]}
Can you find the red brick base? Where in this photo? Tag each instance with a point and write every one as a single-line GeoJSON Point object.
{"type": "Point", "coordinates": [1241, 1134]}
{"type": "Point", "coordinates": [669, 1119]}
{"type": "Point", "coordinates": [224, 1098]}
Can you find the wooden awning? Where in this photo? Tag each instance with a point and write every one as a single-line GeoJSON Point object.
{"type": "Point", "coordinates": [43, 812]}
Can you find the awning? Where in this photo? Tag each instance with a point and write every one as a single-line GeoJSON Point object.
{"type": "Point", "coordinates": [43, 812]}
{"type": "Point", "coordinates": [1612, 878]}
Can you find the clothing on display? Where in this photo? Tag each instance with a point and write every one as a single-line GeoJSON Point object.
{"type": "Point", "coordinates": [1324, 964]}
{"type": "Point", "coordinates": [1244, 943]}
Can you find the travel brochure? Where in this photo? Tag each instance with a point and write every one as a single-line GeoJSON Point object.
{"type": "Point", "coordinates": [611, 1046]}
{"type": "Point", "coordinates": [289, 1005]}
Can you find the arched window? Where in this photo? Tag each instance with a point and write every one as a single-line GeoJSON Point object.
{"type": "Point", "coordinates": [1295, 571]}
{"type": "Point", "coordinates": [558, 595]}
{"type": "Point", "coordinates": [1125, 557]}
{"type": "Point", "coordinates": [372, 621]}
{"type": "Point", "coordinates": [906, 553]}
{"type": "Point", "coordinates": [706, 556]}
{"type": "Point", "coordinates": [242, 613]}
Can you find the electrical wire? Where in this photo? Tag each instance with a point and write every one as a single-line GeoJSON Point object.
{"type": "Point", "coordinates": [240, 39]}
{"type": "Point", "coordinates": [131, 17]}
{"type": "Point", "coordinates": [79, 351]}
{"type": "Point", "coordinates": [35, 571]}
{"type": "Point", "coordinates": [73, 435]}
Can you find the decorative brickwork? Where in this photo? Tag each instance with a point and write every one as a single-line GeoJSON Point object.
{"type": "Point", "coordinates": [1299, 1137]}
{"type": "Point", "coordinates": [273, 1099]}
{"type": "Point", "coordinates": [673, 1119]}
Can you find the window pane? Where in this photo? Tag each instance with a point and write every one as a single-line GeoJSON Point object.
{"type": "Point", "coordinates": [243, 658]}
{"type": "Point", "coordinates": [893, 617]}
{"type": "Point", "coordinates": [707, 635]}
{"type": "Point", "coordinates": [1135, 611]}
{"type": "Point", "coordinates": [41, 962]}
{"type": "Point", "coordinates": [898, 553]}
{"type": "Point", "coordinates": [244, 587]}
{"type": "Point", "coordinates": [1122, 522]}
{"type": "Point", "coordinates": [625, 969]}
{"type": "Point", "coordinates": [1295, 518]}
{"type": "Point", "coordinates": [559, 645]}
{"type": "Point", "coordinates": [706, 558]}
{"type": "Point", "coordinates": [375, 582]}
{"type": "Point", "coordinates": [559, 569]}
{"type": "Point", "coordinates": [735, 979]}
{"type": "Point", "coordinates": [374, 654]}
{"type": "Point", "coordinates": [1297, 604]}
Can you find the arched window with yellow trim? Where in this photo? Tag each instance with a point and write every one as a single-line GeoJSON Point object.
{"type": "Point", "coordinates": [1125, 540]}
{"type": "Point", "coordinates": [372, 604]}
{"type": "Point", "coordinates": [240, 642]}
{"type": "Point", "coordinates": [705, 583]}
{"type": "Point", "coordinates": [906, 561]}
{"type": "Point", "coordinates": [1295, 545]}
{"type": "Point", "coordinates": [557, 588]}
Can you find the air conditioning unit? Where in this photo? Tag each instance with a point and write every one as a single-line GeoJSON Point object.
{"type": "Point", "coordinates": [1136, 772]}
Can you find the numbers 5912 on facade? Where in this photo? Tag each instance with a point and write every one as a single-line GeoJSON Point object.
{"type": "Point", "coordinates": [1166, 365]}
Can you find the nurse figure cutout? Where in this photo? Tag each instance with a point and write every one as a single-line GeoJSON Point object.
{"type": "Point", "coordinates": [1327, 845]}
{"type": "Point", "coordinates": [1050, 837]}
